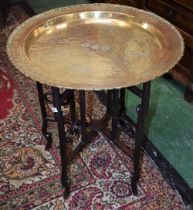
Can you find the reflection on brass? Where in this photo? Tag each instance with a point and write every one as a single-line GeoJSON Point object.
{"type": "Point", "coordinates": [95, 46]}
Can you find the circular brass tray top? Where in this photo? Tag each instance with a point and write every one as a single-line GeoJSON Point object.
{"type": "Point", "coordinates": [95, 46]}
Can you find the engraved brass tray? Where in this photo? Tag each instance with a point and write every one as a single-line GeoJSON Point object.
{"type": "Point", "coordinates": [95, 46]}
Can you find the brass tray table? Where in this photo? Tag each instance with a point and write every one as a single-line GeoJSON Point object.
{"type": "Point", "coordinates": [95, 47]}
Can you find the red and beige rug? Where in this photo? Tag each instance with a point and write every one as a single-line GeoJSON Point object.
{"type": "Point", "coordinates": [30, 176]}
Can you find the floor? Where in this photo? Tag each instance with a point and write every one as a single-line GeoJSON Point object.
{"type": "Point", "coordinates": [169, 121]}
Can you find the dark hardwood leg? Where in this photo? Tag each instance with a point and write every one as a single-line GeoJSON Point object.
{"type": "Point", "coordinates": [46, 134]}
{"type": "Point", "coordinates": [62, 139]}
{"type": "Point", "coordinates": [125, 125]}
{"type": "Point", "coordinates": [142, 110]}
{"type": "Point", "coordinates": [83, 115]}
{"type": "Point", "coordinates": [122, 101]}
{"type": "Point", "coordinates": [115, 114]}
{"type": "Point", "coordinates": [188, 95]}
{"type": "Point", "coordinates": [72, 109]}
{"type": "Point", "coordinates": [109, 102]}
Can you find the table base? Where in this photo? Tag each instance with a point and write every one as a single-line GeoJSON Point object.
{"type": "Point", "coordinates": [115, 110]}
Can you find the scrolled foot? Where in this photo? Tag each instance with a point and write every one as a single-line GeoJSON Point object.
{"type": "Point", "coordinates": [134, 186]}
{"type": "Point", "coordinates": [66, 187]}
{"type": "Point", "coordinates": [66, 194]}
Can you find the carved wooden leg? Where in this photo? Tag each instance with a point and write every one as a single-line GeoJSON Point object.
{"type": "Point", "coordinates": [62, 139]}
{"type": "Point", "coordinates": [115, 114]}
{"type": "Point", "coordinates": [46, 134]}
{"type": "Point", "coordinates": [142, 110]}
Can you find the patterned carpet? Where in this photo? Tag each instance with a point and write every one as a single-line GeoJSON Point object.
{"type": "Point", "coordinates": [30, 176]}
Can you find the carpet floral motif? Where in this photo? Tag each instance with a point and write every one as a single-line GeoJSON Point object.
{"type": "Point", "coordinates": [99, 176]}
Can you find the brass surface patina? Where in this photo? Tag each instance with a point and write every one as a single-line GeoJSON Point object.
{"type": "Point", "coordinates": [95, 46]}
